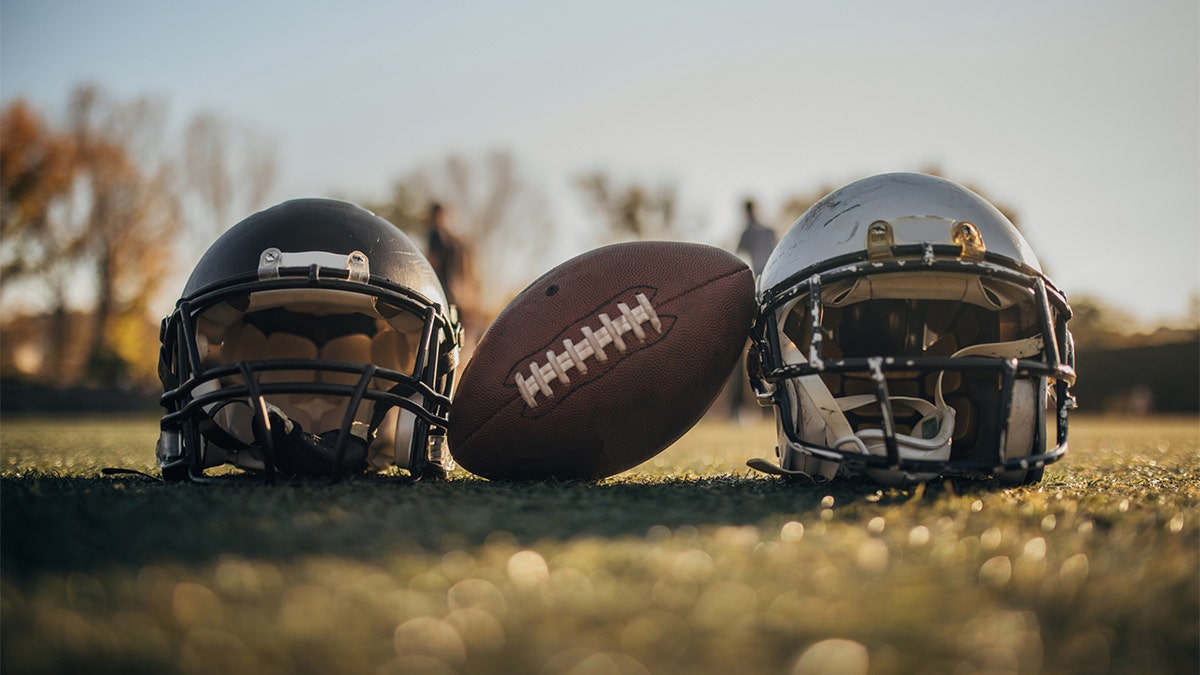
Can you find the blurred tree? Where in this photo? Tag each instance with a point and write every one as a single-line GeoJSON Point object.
{"type": "Point", "coordinates": [38, 167]}
{"type": "Point", "coordinates": [495, 210]}
{"type": "Point", "coordinates": [1007, 209]}
{"type": "Point", "coordinates": [131, 216]}
{"type": "Point", "coordinates": [206, 165]}
{"type": "Point", "coordinates": [634, 210]}
{"type": "Point", "coordinates": [1096, 324]}
{"type": "Point", "coordinates": [96, 202]}
{"type": "Point", "coordinates": [406, 207]}
{"type": "Point", "coordinates": [212, 174]}
{"type": "Point", "coordinates": [795, 204]}
{"type": "Point", "coordinates": [259, 168]}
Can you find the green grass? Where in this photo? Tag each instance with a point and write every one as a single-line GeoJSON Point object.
{"type": "Point", "coordinates": [686, 564]}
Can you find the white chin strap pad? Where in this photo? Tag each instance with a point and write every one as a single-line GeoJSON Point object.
{"type": "Point", "coordinates": [821, 417]}
{"type": "Point", "coordinates": [931, 439]}
{"type": "Point", "coordinates": [819, 420]}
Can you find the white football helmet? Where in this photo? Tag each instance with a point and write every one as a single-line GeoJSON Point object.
{"type": "Point", "coordinates": [906, 331]}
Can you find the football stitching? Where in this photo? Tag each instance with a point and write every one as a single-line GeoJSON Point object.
{"type": "Point", "coordinates": [576, 355]}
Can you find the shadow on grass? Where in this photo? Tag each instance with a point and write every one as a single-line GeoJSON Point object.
{"type": "Point", "coordinates": [55, 524]}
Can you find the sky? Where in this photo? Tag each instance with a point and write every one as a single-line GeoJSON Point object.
{"type": "Point", "coordinates": [1082, 115]}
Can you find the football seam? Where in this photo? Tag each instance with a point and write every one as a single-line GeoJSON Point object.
{"type": "Point", "coordinates": [629, 321]}
{"type": "Point", "coordinates": [465, 442]}
{"type": "Point", "coordinates": [575, 355]}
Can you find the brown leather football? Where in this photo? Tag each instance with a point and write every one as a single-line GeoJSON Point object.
{"type": "Point", "coordinates": [603, 362]}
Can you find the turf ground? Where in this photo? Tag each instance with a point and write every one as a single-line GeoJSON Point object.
{"type": "Point", "coordinates": [687, 564]}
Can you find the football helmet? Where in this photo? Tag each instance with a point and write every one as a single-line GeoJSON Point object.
{"type": "Point", "coordinates": [313, 339]}
{"type": "Point", "coordinates": [906, 331]}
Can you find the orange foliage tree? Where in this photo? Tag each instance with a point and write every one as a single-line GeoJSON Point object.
{"type": "Point", "coordinates": [89, 203]}
{"type": "Point", "coordinates": [38, 168]}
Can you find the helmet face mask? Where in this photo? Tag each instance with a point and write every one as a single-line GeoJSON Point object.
{"type": "Point", "coordinates": [928, 345]}
{"type": "Point", "coordinates": [313, 340]}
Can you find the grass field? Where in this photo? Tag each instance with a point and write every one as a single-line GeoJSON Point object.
{"type": "Point", "coordinates": [687, 564]}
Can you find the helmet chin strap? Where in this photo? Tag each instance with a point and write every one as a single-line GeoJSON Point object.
{"type": "Point", "coordinates": [931, 441]}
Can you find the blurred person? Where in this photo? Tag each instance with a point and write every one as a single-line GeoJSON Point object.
{"type": "Point", "coordinates": [755, 245]}
{"type": "Point", "coordinates": [757, 240]}
{"type": "Point", "coordinates": [450, 257]}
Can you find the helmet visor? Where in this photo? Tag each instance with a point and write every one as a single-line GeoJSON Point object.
{"type": "Point", "coordinates": [308, 350]}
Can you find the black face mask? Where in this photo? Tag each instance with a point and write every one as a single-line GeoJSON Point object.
{"type": "Point", "coordinates": [297, 452]}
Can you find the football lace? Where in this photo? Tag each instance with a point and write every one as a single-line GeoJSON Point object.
{"type": "Point", "coordinates": [575, 355]}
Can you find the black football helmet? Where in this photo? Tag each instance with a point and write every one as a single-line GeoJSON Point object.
{"type": "Point", "coordinates": [313, 339]}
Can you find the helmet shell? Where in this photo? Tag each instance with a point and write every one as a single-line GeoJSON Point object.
{"type": "Point", "coordinates": [984, 349]}
{"type": "Point", "coordinates": [920, 209]}
{"type": "Point", "coordinates": [317, 225]}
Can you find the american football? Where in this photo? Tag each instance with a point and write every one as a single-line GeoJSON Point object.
{"type": "Point", "coordinates": [602, 362]}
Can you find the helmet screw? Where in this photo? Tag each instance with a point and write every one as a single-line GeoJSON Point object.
{"type": "Point", "coordinates": [880, 240]}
